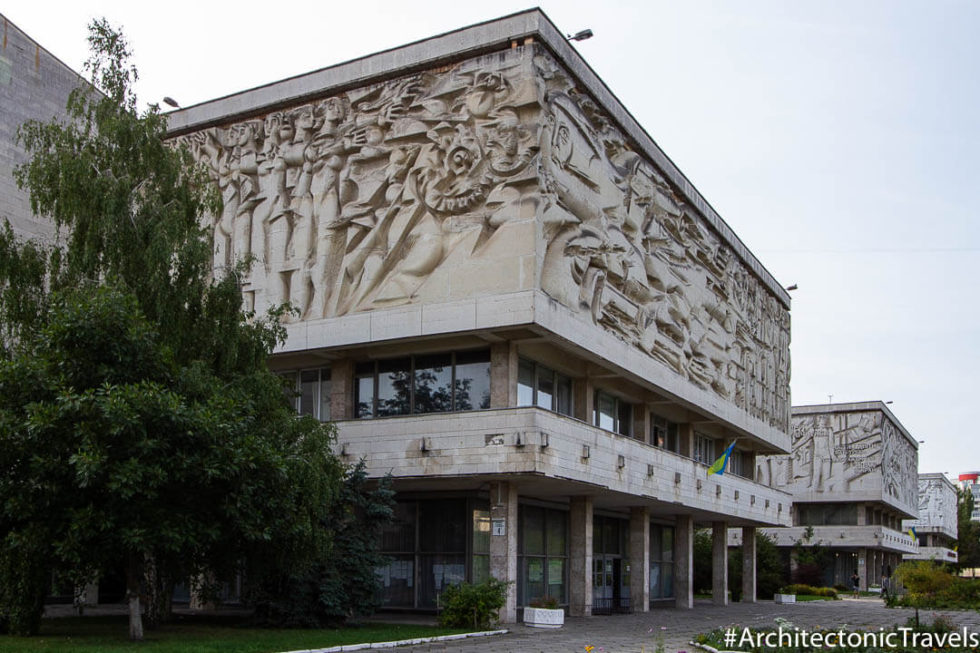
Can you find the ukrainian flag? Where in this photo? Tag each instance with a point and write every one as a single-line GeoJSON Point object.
{"type": "Point", "coordinates": [718, 467]}
{"type": "Point", "coordinates": [913, 534]}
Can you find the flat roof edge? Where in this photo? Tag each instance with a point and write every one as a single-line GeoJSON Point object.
{"type": "Point", "coordinates": [464, 43]}
{"type": "Point", "coordinates": [854, 407]}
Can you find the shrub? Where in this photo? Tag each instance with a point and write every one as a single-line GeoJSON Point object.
{"type": "Point", "coordinates": [801, 588]}
{"type": "Point", "coordinates": [546, 602]}
{"type": "Point", "coordinates": [476, 606]}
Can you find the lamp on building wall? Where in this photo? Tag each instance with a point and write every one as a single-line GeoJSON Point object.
{"type": "Point", "coordinates": [580, 36]}
{"type": "Point", "coordinates": [169, 101]}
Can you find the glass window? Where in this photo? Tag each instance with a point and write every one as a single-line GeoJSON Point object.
{"type": "Point", "coordinates": [624, 418]}
{"type": "Point", "coordinates": [394, 387]}
{"type": "Point", "coordinates": [472, 386]}
{"type": "Point", "coordinates": [309, 390]}
{"type": "Point", "coordinates": [605, 407]}
{"type": "Point", "coordinates": [399, 535]}
{"type": "Point", "coordinates": [481, 530]}
{"type": "Point", "coordinates": [533, 531]}
{"type": "Point", "coordinates": [398, 581]}
{"type": "Point", "coordinates": [704, 450]}
{"type": "Point", "coordinates": [433, 384]}
{"type": "Point", "coordinates": [525, 383]}
{"type": "Point", "coordinates": [364, 390]}
{"type": "Point", "coordinates": [324, 395]}
{"type": "Point", "coordinates": [546, 388]}
{"type": "Point", "coordinates": [289, 388]}
{"type": "Point", "coordinates": [557, 528]}
{"type": "Point", "coordinates": [563, 394]}
{"type": "Point", "coordinates": [663, 433]}
{"type": "Point", "coordinates": [442, 525]}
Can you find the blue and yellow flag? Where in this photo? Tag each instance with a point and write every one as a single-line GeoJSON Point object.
{"type": "Point", "coordinates": [718, 467]}
{"type": "Point", "coordinates": [913, 534]}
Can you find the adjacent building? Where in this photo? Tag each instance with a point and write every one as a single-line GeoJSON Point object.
{"type": "Point", "coordinates": [512, 302]}
{"type": "Point", "coordinates": [971, 481]}
{"type": "Point", "coordinates": [853, 476]}
{"type": "Point", "coordinates": [936, 528]}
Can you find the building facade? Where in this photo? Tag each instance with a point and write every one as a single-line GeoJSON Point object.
{"type": "Point", "coordinates": [34, 85]}
{"type": "Point", "coordinates": [971, 481]}
{"type": "Point", "coordinates": [853, 476]}
{"type": "Point", "coordinates": [936, 528]}
{"type": "Point", "coordinates": [513, 303]}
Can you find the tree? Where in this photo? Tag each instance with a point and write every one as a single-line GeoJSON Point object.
{"type": "Point", "coordinates": [968, 531]}
{"type": "Point", "coordinates": [138, 419]}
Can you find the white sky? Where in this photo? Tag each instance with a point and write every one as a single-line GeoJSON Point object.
{"type": "Point", "coordinates": [840, 139]}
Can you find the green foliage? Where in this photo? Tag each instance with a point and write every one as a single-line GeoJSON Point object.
{"type": "Point", "coordinates": [929, 585]}
{"type": "Point", "coordinates": [812, 558]}
{"type": "Point", "coordinates": [477, 606]}
{"type": "Point", "coordinates": [769, 568]}
{"type": "Point", "coordinates": [341, 584]}
{"type": "Point", "coordinates": [545, 602]}
{"type": "Point", "coordinates": [139, 422]}
{"type": "Point", "coordinates": [809, 590]}
{"type": "Point", "coordinates": [203, 634]}
{"type": "Point", "coordinates": [968, 536]}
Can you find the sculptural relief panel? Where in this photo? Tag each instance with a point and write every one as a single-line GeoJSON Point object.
{"type": "Point", "coordinates": [937, 505]}
{"type": "Point", "coordinates": [416, 189]}
{"type": "Point", "coordinates": [624, 249]}
{"type": "Point", "coordinates": [835, 454]}
{"type": "Point", "coordinates": [491, 176]}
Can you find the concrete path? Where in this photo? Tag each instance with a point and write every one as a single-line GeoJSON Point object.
{"type": "Point", "coordinates": [640, 632]}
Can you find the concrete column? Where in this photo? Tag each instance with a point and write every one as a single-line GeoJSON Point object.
{"type": "Point", "coordinates": [503, 375]}
{"type": "Point", "coordinates": [640, 559]}
{"type": "Point", "coordinates": [748, 564]}
{"type": "Point", "coordinates": [580, 562]}
{"type": "Point", "coordinates": [641, 423]}
{"type": "Point", "coordinates": [685, 435]}
{"type": "Point", "coordinates": [503, 543]}
{"type": "Point", "coordinates": [862, 515]}
{"type": "Point", "coordinates": [342, 390]}
{"type": "Point", "coordinates": [719, 563]}
{"type": "Point", "coordinates": [862, 567]}
{"type": "Point", "coordinates": [684, 562]}
{"type": "Point", "coordinates": [582, 408]}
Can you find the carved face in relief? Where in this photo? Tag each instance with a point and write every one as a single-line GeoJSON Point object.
{"type": "Point", "coordinates": [508, 144]}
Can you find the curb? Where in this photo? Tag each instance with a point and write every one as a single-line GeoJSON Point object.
{"type": "Point", "coordinates": [400, 642]}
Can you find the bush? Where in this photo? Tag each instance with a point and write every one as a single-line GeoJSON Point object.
{"type": "Point", "coordinates": [476, 606]}
{"type": "Point", "coordinates": [801, 588]}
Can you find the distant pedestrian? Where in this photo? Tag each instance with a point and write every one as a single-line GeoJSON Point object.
{"type": "Point", "coordinates": [856, 582]}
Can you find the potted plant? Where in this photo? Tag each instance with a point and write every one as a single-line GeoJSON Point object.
{"type": "Point", "coordinates": [784, 596]}
{"type": "Point", "coordinates": [543, 612]}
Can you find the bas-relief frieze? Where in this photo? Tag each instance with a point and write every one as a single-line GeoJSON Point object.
{"type": "Point", "coordinates": [385, 195]}
{"type": "Point", "coordinates": [837, 453]}
{"type": "Point", "coordinates": [623, 248]}
{"type": "Point", "coordinates": [358, 201]}
{"type": "Point", "coordinates": [937, 505]}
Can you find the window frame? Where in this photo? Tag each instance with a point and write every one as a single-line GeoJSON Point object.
{"type": "Point", "coordinates": [618, 406]}
{"type": "Point", "coordinates": [539, 371]}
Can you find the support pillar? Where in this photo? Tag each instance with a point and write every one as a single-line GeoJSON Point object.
{"type": "Point", "coordinates": [684, 562]}
{"type": "Point", "coordinates": [719, 563]}
{"type": "Point", "coordinates": [503, 544]}
{"type": "Point", "coordinates": [640, 559]}
{"type": "Point", "coordinates": [863, 568]}
{"type": "Point", "coordinates": [342, 390]}
{"type": "Point", "coordinates": [503, 375]}
{"type": "Point", "coordinates": [580, 562]}
{"type": "Point", "coordinates": [748, 565]}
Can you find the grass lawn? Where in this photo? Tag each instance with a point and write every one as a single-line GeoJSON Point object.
{"type": "Point", "coordinates": [204, 634]}
{"type": "Point", "coordinates": [814, 597]}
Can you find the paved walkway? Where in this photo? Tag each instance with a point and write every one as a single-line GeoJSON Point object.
{"type": "Point", "coordinates": [639, 632]}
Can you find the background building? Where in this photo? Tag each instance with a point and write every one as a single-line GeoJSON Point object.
{"type": "Point", "coordinates": [936, 528]}
{"type": "Point", "coordinates": [971, 481]}
{"type": "Point", "coordinates": [853, 476]}
{"type": "Point", "coordinates": [510, 300]}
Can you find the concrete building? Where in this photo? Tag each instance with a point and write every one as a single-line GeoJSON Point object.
{"type": "Point", "coordinates": [853, 476]}
{"type": "Point", "coordinates": [971, 481]}
{"type": "Point", "coordinates": [936, 528]}
{"type": "Point", "coordinates": [513, 302]}
{"type": "Point", "coordinates": [34, 85]}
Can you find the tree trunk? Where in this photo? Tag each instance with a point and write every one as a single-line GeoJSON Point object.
{"type": "Point", "coordinates": [134, 573]}
{"type": "Point", "coordinates": [159, 592]}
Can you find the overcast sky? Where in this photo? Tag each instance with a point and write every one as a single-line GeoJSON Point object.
{"type": "Point", "coordinates": [839, 139]}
